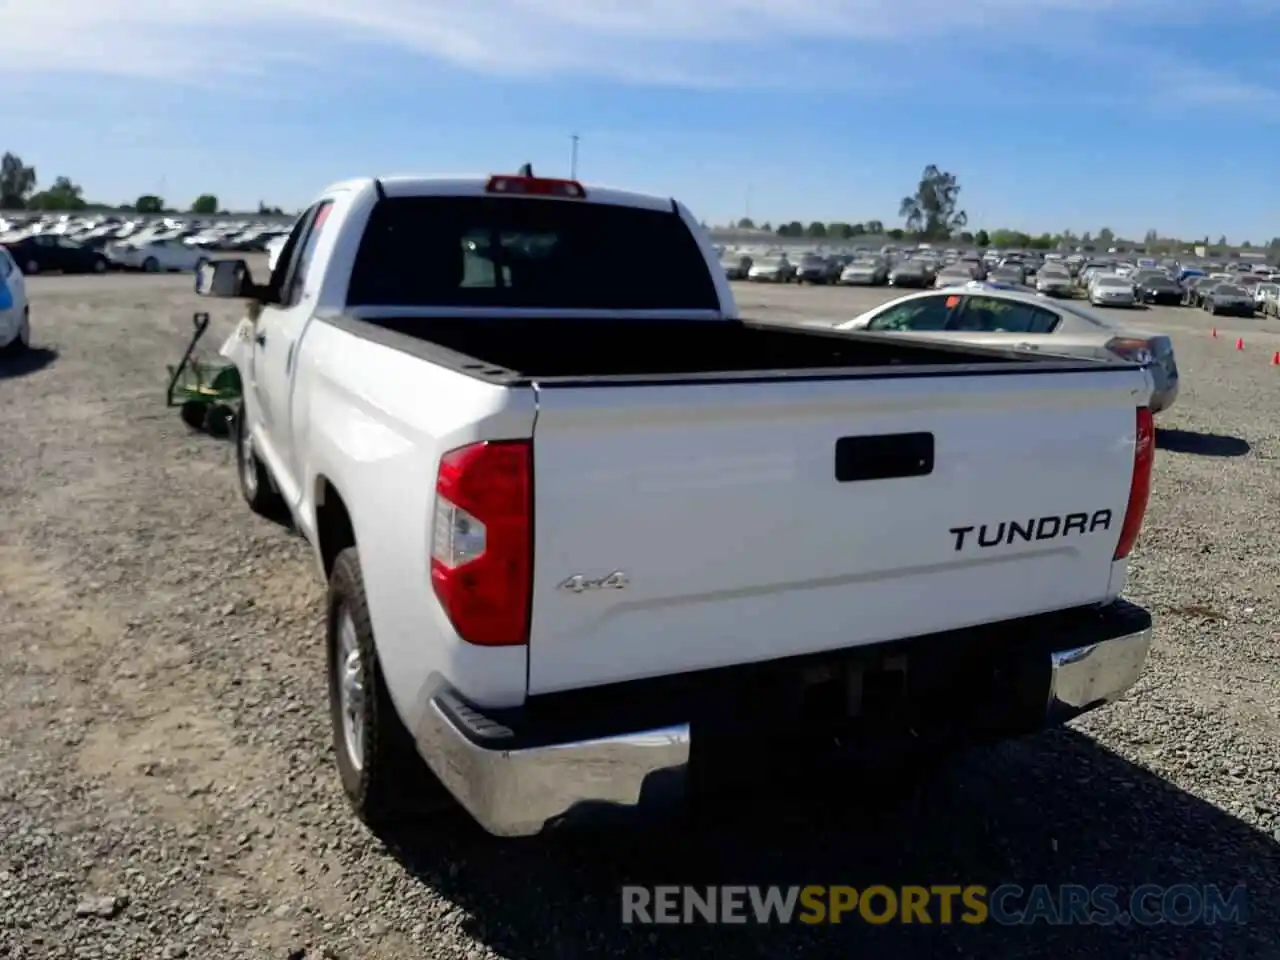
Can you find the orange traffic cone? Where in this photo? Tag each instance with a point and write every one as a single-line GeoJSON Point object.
{"type": "Point", "coordinates": [1214, 333]}
{"type": "Point", "coordinates": [1275, 359]}
{"type": "Point", "coordinates": [1240, 343]}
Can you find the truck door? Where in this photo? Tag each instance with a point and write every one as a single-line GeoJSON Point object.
{"type": "Point", "coordinates": [276, 336]}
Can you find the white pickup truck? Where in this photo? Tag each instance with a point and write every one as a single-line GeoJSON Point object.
{"type": "Point", "coordinates": [584, 529]}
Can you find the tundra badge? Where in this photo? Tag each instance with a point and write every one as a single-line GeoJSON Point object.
{"type": "Point", "coordinates": [580, 584]}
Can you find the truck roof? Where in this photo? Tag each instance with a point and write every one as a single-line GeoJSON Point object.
{"type": "Point", "coordinates": [406, 185]}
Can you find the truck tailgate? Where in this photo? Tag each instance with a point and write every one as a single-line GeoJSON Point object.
{"type": "Point", "coordinates": [686, 526]}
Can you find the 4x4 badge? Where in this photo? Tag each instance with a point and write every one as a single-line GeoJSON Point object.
{"type": "Point", "coordinates": [580, 584]}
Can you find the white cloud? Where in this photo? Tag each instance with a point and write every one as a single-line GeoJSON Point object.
{"type": "Point", "coordinates": [687, 42]}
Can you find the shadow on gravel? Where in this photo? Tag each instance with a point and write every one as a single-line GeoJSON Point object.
{"type": "Point", "coordinates": [1201, 444]}
{"type": "Point", "coordinates": [1057, 809]}
{"type": "Point", "coordinates": [31, 360]}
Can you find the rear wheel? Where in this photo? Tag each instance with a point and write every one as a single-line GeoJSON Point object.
{"type": "Point", "coordinates": [255, 480]}
{"type": "Point", "coordinates": [31, 267]}
{"type": "Point", "coordinates": [378, 764]}
{"type": "Point", "coordinates": [99, 264]}
{"type": "Point", "coordinates": [151, 265]}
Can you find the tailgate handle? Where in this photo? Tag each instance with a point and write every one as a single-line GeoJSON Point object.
{"type": "Point", "coordinates": [888, 456]}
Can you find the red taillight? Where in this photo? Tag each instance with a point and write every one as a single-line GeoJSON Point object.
{"type": "Point", "coordinates": [535, 187]}
{"type": "Point", "coordinates": [482, 541]}
{"type": "Point", "coordinates": [1144, 457]}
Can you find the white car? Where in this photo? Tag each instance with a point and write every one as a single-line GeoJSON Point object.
{"type": "Point", "coordinates": [979, 314]}
{"type": "Point", "coordinates": [772, 270]}
{"type": "Point", "coordinates": [15, 314]}
{"type": "Point", "coordinates": [156, 256]}
{"type": "Point", "coordinates": [1264, 297]}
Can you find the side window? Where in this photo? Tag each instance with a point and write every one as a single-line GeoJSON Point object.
{"type": "Point", "coordinates": [7, 266]}
{"type": "Point", "coordinates": [923, 313]}
{"type": "Point", "coordinates": [992, 315]}
{"type": "Point", "coordinates": [308, 251]}
{"type": "Point", "coordinates": [304, 246]}
{"type": "Point", "coordinates": [290, 251]}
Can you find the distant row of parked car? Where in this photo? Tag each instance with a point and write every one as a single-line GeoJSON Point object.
{"type": "Point", "coordinates": [95, 244]}
{"type": "Point", "coordinates": [1243, 289]}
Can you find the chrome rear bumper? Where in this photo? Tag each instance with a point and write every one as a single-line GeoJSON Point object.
{"type": "Point", "coordinates": [1092, 676]}
{"type": "Point", "coordinates": [516, 785]}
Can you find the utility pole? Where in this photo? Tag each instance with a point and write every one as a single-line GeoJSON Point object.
{"type": "Point", "coordinates": [573, 157]}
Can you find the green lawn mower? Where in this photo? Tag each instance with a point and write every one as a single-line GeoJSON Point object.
{"type": "Point", "coordinates": [207, 392]}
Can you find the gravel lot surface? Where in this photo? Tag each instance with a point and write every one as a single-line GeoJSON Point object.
{"type": "Point", "coordinates": [166, 788]}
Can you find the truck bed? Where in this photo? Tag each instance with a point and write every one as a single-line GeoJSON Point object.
{"type": "Point", "coordinates": [541, 348]}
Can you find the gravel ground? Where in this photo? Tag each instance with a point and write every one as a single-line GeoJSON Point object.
{"type": "Point", "coordinates": [166, 788]}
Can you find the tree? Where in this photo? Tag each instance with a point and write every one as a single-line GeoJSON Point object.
{"type": "Point", "coordinates": [982, 238]}
{"type": "Point", "coordinates": [793, 229]}
{"type": "Point", "coordinates": [1010, 238]}
{"type": "Point", "coordinates": [149, 203]}
{"type": "Point", "coordinates": [265, 211]}
{"type": "Point", "coordinates": [63, 195]}
{"type": "Point", "coordinates": [817, 230]}
{"type": "Point", "coordinates": [1106, 237]}
{"type": "Point", "coordinates": [874, 227]}
{"type": "Point", "coordinates": [931, 212]}
{"type": "Point", "coordinates": [1246, 245]}
{"type": "Point", "coordinates": [206, 205]}
{"type": "Point", "coordinates": [17, 182]}
{"type": "Point", "coordinates": [766, 226]}
{"type": "Point", "coordinates": [1151, 239]}
{"type": "Point", "coordinates": [1222, 241]}
{"type": "Point", "coordinates": [896, 234]}
{"type": "Point", "coordinates": [746, 223]}
{"type": "Point", "coordinates": [1086, 237]}
{"type": "Point", "coordinates": [842, 231]}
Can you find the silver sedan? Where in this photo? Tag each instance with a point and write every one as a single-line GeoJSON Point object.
{"type": "Point", "coordinates": [1025, 321]}
{"type": "Point", "coordinates": [1111, 290]}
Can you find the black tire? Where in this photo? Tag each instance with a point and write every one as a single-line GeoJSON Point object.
{"type": "Point", "coordinates": [151, 265]}
{"type": "Point", "coordinates": [194, 413]}
{"type": "Point", "coordinates": [21, 343]}
{"type": "Point", "coordinates": [31, 268]}
{"type": "Point", "coordinates": [100, 264]}
{"type": "Point", "coordinates": [388, 779]}
{"type": "Point", "coordinates": [219, 420]}
{"type": "Point", "coordinates": [256, 485]}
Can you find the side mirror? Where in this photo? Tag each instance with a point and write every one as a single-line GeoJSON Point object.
{"type": "Point", "coordinates": [226, 279]}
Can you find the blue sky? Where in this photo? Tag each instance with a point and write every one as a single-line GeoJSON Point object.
{"type": "Point", "coordinates": [1053, 114]}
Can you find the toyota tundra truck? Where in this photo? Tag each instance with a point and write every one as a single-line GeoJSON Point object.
{"type": "Point", "coordinates": [586, 530]}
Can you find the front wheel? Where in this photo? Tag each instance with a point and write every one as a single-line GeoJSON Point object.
{"type": "Point", "coordinates": [381, 772]}
{"type": "Point", "coordinates": [22, 342]}
{"type": "Point", "coordinates": [99, 264]}
{"type": "Point", "coordinates": [255, 480]}
{"type": "Point", "coordinates": [151, 265]}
